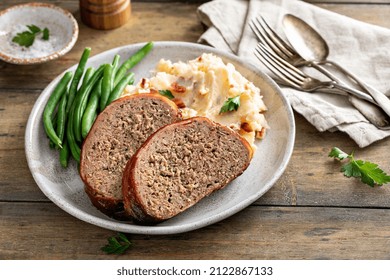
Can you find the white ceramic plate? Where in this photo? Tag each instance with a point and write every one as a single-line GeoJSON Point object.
{"type": "Point", "coordinates": [65, 188]}
{"type": "Point", "coordinates": [63, 32]}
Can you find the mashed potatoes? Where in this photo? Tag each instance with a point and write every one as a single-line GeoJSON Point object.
{"type": "Point", "coordinates": [202, 86]}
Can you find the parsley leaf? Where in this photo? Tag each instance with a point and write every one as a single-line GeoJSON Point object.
{"type": "Point", "coordinates": [167, 93]}
{"type": "Point", "coordinates": [34, 29]}
{"type": "Point", "coordinates": [116, 246]}
{"type": "Point", "coordinates": [231, 104]}
{"type": "Point", "coordinates": [27, 38]}
{"type": "Point", "coordinates": [45, 34]}
{"type": "Point", "coordinates": [337, 153]}
{"type": "Point", "coordinates": [368, 172]}
{"type": "Point", "coordinates": [24, 39]}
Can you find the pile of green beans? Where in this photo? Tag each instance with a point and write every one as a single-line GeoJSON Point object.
{"type": "Point", "coordinates": [79, 97]}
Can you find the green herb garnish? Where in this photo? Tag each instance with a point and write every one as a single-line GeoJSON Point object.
{"type": "Point", "coordinates": [368, 172]}
{"type": "Point", "coordinates": [27, 38]}
{"type": "Point", "coordinates": [45, 34]}
{"type": "Point", "coordinates": [231, 104]}
{"type": "Point", "coordinates": [117, 246]}
{"type": "Point", "coordinates": [167, 93]}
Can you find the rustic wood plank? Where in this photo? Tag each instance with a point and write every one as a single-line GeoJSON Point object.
{"type": "Point", "coordinates": [349, 2]}
{"type": "Point", "coordinates": [309, 1]}
{"type": "Point", "coordinates": [15, 108]}
{"type": "Point", "coordinates": [42, 231]}
{"type": "Point", "coordinates": [334, 218]}
{"type": "Point", "coordinates": [16, 181]}
{"type": "Point", "coordinates": [164, 24]}
{"type": "Point", "coordinates": [370, 13]}
{"type": "Point", "coordinates": [310, 179]}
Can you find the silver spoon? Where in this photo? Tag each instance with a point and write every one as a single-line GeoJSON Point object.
{"type": "Point", "coordinates": [312, 47]}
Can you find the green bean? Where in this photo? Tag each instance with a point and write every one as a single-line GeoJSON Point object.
{"type": "Point", "coordinates": [132, 61]}
{"type": "Point", "coordinates": [61, 117]}
{"type": "Point", "coordinates": [90, 113]}
{"type": "Point", "coordinates": [115, 62]}
{"type": "Point", "coordinates": [64, 154]}
{"type": "Point", "coordinates": [117, 91]}
{"type": "Point", "coordinates": [54, 121]}
{"type": "Point", "coordinates": [54, 98]}
{"type": "Point", "coordinates": [76, 78]}
{"type": "Point", "coordinates": [88, 74]}
{"type": "Point", "coordinates": [82, 99]}
{"type": "Point", "coordinates": [106, 85]}
{"type": "Point", "coordinates": [73, 146]}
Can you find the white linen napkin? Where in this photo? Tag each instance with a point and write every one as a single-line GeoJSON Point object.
{"type": "Point", "coordinates": [362, 48]}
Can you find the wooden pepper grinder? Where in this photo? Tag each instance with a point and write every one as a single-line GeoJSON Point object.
{"type": "Point", "coordinates": [105, 14]}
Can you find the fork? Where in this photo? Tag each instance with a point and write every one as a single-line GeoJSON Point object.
{"type": "Point", "coordinates": [297, 78]}
{"type": "Point", "coordinates": [270, 38]}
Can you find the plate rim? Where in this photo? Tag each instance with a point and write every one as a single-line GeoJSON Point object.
{"type": "Point", "coordinates": [160, 229]}
{"type": "Point", "coordinates": [37, 60]}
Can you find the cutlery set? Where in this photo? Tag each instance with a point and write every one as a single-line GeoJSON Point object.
{"type": "Point", "coordinates": [309, 49]}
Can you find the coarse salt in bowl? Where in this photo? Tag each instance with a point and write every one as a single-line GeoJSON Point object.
{"type": "Point", "coordinates": [62, 26]}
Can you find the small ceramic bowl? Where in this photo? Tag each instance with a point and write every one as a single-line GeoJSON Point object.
{"type": "Point", "coordinates": [62, 26]}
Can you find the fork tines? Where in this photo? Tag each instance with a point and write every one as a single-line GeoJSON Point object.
{"type": "Point", "coordinates": [282, 69]}
{"type": "Point", "coordinates": [270, 38]}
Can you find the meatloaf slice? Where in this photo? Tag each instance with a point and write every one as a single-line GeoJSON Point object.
{"type": "Point", "coordinates": [114, 138]}
{"type": "Point", "coordinates": [179, 165]}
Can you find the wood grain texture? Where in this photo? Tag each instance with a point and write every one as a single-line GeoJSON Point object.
{"type": "Point", "coordinates": [254, 233]}
{"type": "Point", "coordinates": [163, 24]}
{"type": "Point", "coordinates": [311, 177]}
{"type": "Point", "coordinates": [312, 212]}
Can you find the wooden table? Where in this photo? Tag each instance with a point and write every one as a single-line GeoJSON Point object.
{"type": "Point", "coordinates": [312, 212]}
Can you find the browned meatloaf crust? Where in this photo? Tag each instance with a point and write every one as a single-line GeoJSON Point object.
{"type": "Point", "coordinates": [179, 165]}
{"type": "Point", "coordinates": [114, 138]}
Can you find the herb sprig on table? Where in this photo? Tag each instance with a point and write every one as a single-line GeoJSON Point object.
{"type": "Point", "coordinates": [117, 244]}
{"type": "Point", "coordinates": [368, 172]}
{"type": "Point", "coordinates": [27, 38]}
